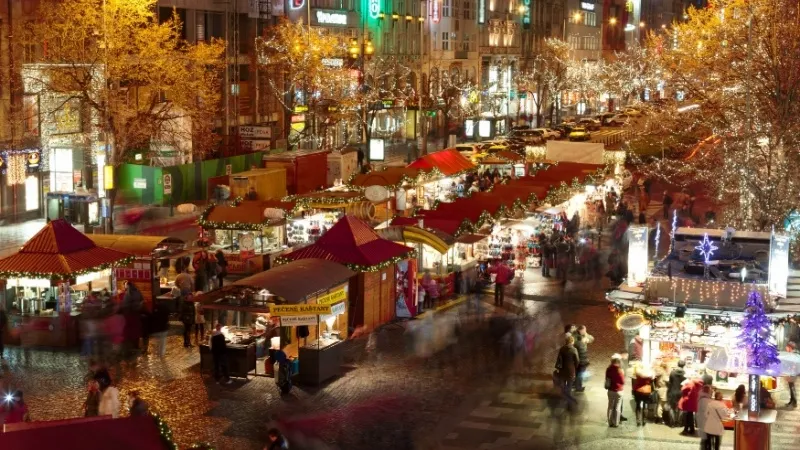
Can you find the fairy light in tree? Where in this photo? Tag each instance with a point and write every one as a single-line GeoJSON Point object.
{"type": "Point", "coordinates": [16, 169]}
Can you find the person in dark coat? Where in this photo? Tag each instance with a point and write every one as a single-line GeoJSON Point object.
{"type": "Point", "coordinates": [138, 407]}
{"type": "Point", "coordinates": [676, 378]}
{"type": "Point", "coordinates": [222, 267]}
{"type": "Point", "coordinates": [187, 319]}
{"type": "Point", "coordinates": [146, 326]}
{"type": "Point", "coordinates": [582, 340]}
{"type": "Point", "coordinates": [567, 368]}
{"type": "Point", "coordinates": [219, 350]}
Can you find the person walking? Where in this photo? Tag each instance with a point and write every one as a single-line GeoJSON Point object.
{"type": "Point", "coordinates": [582, 340]}
{"type": "Point", "coordinates": [676, 378]}
{"type": "Point", "coordinates": [705, 398]}
{"type": "Point", "coordinates": [187, 318]}
{"type": "Point", "coordinates": [222, 267]}
{"type": "Point", "coordinates": [276, 439]}
{"type": "Point", "coordinates": [199, 323]}
{"type": "Point", "coordinates": [690, 394]}
{"type": "Point", "coordinates": [615, 383]}
{"type": "Point", "coordinates": [667, 202]}
{"type": "Point", "coordinates": [642, 389]}
{"type": "Point", "coordinates": [566, 369]}
{"type": "Point", "coordinates": [91, 406]}
{"type": "Point", "coordinates": [109, 402]}
{"type": "Point", "coordinates": [503, 275]}
{"type": "Point", "coordinates": [219, 350]}
{"type": "Point", "coordinates": [159, 328]}
{"type": "Point", "coordinates": [136, 406]}
{"type": "Point", "coordinates": [713, 425]}
{"type": "Point", "coordinates": [791, 347]}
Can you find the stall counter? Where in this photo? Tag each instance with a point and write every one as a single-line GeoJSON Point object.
{"type": "Point", "coordinates": [53, 330]}
{"type": "Point", "coordinates": [320, 364]}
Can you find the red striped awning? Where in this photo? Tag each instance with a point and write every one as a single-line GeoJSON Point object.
{"type": "Point", "coordinates": [449, 162]}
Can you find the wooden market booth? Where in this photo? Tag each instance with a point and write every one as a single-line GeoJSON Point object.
{"type": "Point", "coordinates": [248, 232]}
{"type": "Point", "coordinates": [384, 286]}
{"type": "Point", "coordinates": [46, 281]}
{"type": "Point", "coordinates": [451, 166]}
{"type": "Point", "coordinates": [320, 210]}
{"type": "Point", "coordinates": [152, 269]}
{"type": "Point", "coordinates": [300, 306]}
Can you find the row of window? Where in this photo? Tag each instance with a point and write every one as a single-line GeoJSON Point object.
{"type": "Point", "coordinates": [584, 42]}
{"type": "Point", "coordinates": [450, 41]}
{"type": "Point", "coordinates": [450, 8]}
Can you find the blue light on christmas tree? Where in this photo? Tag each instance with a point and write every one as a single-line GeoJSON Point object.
{"type": "Point", "coordinates": [762, 353]}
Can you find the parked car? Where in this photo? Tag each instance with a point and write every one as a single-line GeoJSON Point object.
{"type": "Point", "coordinates": [603, 118]}
{"type": "Point", "coordinates": [590, 124]}
{"type": "Point", "coordinates": [530, 137]}
{"type": "Point", "coordinates": [619, 120]}
{"type": "Point", "coordinates": [564, 129]}
{"type": "Point", "coordinates": [580, 134]}
{"type": "Point", "coordinates": [549, 133]}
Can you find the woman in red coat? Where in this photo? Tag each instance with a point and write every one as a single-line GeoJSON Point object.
{"type": "Point", "coordinates": [690, 396]}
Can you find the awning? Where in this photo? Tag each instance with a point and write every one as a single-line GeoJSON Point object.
{"type": "Point", "coordinates": [297, 280]}
{"type": "Point", "coordinates": [133, 244]}
{"type": "Point", "coordinates": [471, 238]}
{"type": "Point", "coordinates": [449, 162]}
{"type": "Point", "coordinates": [390, 177]}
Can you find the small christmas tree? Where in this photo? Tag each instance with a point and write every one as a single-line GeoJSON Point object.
{"type": "Point", "coordinates": [762, 353]}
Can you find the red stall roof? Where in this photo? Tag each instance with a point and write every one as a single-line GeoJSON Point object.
{"type": "Point", "coordinates": [449, 162]}
{"type": "Point", "coordinates": [128, 433]}
{"type": "Point", "coordinates": [58, 251]}
{"type": "Point", "coordinates": [351, 241]}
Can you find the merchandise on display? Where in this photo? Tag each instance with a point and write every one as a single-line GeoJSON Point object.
{"type": "Point", "coordinates": [309, 229]}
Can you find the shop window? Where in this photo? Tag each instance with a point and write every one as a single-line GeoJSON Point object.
{"type": "Point", "coordinates": [61, 174]}
{"type": "Point", "coordinates": [31, 193]}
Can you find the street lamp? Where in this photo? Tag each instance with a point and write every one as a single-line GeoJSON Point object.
{"type": "Point", "coordinates": [641, 25]}
{"type": "Point", "coordinates": [576, 18]}
{"type": "Point", "coordinates": [612, 21]}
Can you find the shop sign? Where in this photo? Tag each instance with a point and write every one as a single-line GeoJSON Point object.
{"type": "Point", "coordinates": [255, 145]}
{"type": "Point", "coordinates": [33, 160]}
{"type": "Point", "coordinates": [588, 6]}
{"type": "Point", "coordinates": [333, 297]}
{"type": "Point", "coordinates": [296, 4]}
{"type": "Point", "coordinates": [300, 109]}
{"type": "Point", "coordinates": [435, 11]}
{"type": "Point", "coordinates": [298, 118]}
{"type": "Point", "coordinates": [388, 103]}
{"type": "Point", "coordinates": [333, 62]}
{"type": "Point", "coordinates": [376, 150]}
{"type": "Point", "coordinates": [296, 321]}
{"type": "Point", "coordinates": [336, 310]}
{"type": "Point", "coordinates": [228, 169]}
{"type": "Point", "coordinates": [778, 264]}
{"type": "Point", "coordinates": [374, 8]}
{"type": "Point", "coordinates": [255, 132]}
{"type": "Point", "coordinates": [637, 255]}
{"type": "Point", "coordinates": [167, 183]}
{"type": "Point", "coordinates": [331, 18]}
{"type": "Point", "coordinates": [133, 274]}
{"type": "Point", "coordinates": [299, 310]}
{"type": "Point", "coordinates": [140, 183]}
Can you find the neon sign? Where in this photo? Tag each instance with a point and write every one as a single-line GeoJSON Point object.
{"type": "Point", "coordinates": [296, 4]}
{"type": "Point", "coordinates": [481, 11]}
{"type": "Point", "coordinates": [587, 6]}
{"type": "Point", "coordinates": [374, 8]}
{"type": "Point", "coordinates": [435, 11]}
{"type": "Point", "coordinates": [332, 18]}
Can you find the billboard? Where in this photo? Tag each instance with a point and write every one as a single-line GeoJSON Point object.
{"type": "Point", "coordinates": [778, 264]}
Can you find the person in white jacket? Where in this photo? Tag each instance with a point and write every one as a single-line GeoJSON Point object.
{"type": "Point", "coordinates": [703, 400]}
{"type": "Point", "coordinates": [109, 402]}
{"type": "Point", "coordinates": [716, 412]}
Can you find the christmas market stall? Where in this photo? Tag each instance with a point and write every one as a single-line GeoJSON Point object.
{"type": "Point", "coordinates": [46, 283]}
{"type": "Point", "coordinates": [153, 267]}
{"type": "Point", "coordinates": [397, 185]}
{"type": "Point", "coordinates": [318, 211]}
{"type": "Point", "coordinates": [452, 166]}
{"type": "Point", "coordinates": [300, 306]}
{"type": "Point", "coordinates": [384, 287]}
{"type": "Point", "coordinates": [506, 162]}
{"type": "Point", "coordinates": [250, 233]}
{"type": "Point", "coordinates": [694, 302]}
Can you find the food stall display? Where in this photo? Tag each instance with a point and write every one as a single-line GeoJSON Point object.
{"type": "Point", "coordinates": [251, 233]}
{"type": "Point", "coordinates": [308, 228]}
{"type": "Point", "coordinates": [373, 293]}
{"type": "Point", "coordinates": [299, 306]}
{"type": "Point", "coordinates": [47, 280]}
{"type": "Point", "coordinates": [266, 183]}
{"type": "Point", "coordinates": [152, 269]}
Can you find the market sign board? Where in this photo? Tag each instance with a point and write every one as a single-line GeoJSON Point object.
{"type": "Point", "coordinates": [778, 264]}
{"type": "Point", "coordinates": [588, 6]}
{"type": "Point", "coordinates": [296, 321]}
{"type": "Point", "coordinates": [255, 132]}
{"type": "Point", "coordinates": [333, 297]}
{"type": "Point", "coordinates": [637, 255]}
{"type": "Point", "coordinates": [332, 18]}
{"type": "Point", "coordinates": [299, 310]}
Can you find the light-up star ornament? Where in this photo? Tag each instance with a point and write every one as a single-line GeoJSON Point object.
{"type": "Point", "coordinates": [706, 248]}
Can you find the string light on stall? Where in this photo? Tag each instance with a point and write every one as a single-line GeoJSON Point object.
{"type": "Point", "coordinates": [8, 274]}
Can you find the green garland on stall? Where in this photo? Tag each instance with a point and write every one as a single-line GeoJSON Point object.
{"type": "Point", "coordinates": [422, 178]}
{"type": "Point", "coordinates": [654, 315]}
{"type": "Point", "coordinates": [62, 277]}
{"type": "Point", "coordinates": [166, 433]}
{"type": "Point", "coordinates": [411, 254]}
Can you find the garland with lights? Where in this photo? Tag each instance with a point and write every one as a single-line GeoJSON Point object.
{"type": "Point", "coordinates": [5, 275]}
{"type": "Point", "coordinates": [166, 433]}
{"type": "Point", "coordinates": [422, 178]}
{"type": "Point", "coordinates": [411, 254]}
{"type": "Point", "coordinates": [247, 226]}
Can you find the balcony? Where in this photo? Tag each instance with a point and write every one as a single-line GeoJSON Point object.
{"type": "Point", "coordinates": [461, 54]}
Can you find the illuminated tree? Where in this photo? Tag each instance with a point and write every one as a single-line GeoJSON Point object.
{"type": "Point", "coordinates": [546, 76]}
{"type": "Point", "coordinates": [302, 56]}
{"type": "Point", "coordinates": [735, 63]}
{"type": "Point", "coordinates": [630, 73]}
{"type": "Point", "coordinates": [756, 338]}
{"type": "Point", "coordinates": [142, 84]}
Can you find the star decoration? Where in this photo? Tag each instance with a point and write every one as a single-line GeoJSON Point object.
{"type": "Point", "coordinates": [706, 248]}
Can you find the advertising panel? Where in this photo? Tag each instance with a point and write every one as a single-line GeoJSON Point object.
{"type": "Point", "coordinates": [637, 255]}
